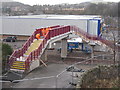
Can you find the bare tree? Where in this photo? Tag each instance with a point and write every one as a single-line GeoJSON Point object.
{"type": "Point", "coordinates": [114, 49]}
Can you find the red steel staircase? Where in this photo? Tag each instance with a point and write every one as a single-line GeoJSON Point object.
{"type": "Point", "coordinates": [21, 59]}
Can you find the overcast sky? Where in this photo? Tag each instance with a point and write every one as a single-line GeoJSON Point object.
{"type": "Point", "coordinates": [52, 2]}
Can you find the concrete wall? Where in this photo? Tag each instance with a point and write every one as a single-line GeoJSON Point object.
{"type": "Point", "coordinates": [34, 65]}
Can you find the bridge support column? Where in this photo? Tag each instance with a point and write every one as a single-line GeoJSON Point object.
{"type": "Point", "coordinates": [63, 48]}
{"type": "Point", "coordinates": [92, 52]}
{"type": "Point", "coordinates": [92, 44]}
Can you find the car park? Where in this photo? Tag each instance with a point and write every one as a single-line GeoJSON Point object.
{"type": "Point", "coordinates": [10, 39]}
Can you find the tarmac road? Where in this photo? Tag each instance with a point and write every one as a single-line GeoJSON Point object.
{"type": "Point", "coordinates": [52, 70]}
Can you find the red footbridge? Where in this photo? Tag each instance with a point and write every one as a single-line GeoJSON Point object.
{"type": "Point", "coordinates": [22, 59]}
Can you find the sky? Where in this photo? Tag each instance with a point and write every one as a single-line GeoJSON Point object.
{"type": "Point", "coordinates": [53, 2]}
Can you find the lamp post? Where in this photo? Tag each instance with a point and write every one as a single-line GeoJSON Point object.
{"type": "Point", "coordinates": [56, 80]}
{"type": "Point", "coordinates": [72, 74]}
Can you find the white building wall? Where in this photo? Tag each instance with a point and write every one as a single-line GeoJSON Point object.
{"type": "Point", "coordinates": [26, 25]}
{"type": "Point", "coordinates": [1, 25]}
{"type": "Point", "coordinates": [19, 26]}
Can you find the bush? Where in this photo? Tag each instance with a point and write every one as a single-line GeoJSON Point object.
{"type": "Point", "coordinates": [6, 50]}
{"type": "Point", "coordinates": [101, 77]}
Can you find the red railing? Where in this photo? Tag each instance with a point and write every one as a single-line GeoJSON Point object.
{"type": "Point", "coordinates": [52, 33]}
{"type": "Point", "coordinates": [93, 37]}
{"type": "Point", "coordinates": [83, 33]}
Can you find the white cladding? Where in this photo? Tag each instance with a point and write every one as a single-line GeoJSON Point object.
{"type": "Point", "coordinates": [0, 25]}
{"type": "Point", "coordinates": [93, 27]}
{"type": "Point", "coordinates": [26, 25]}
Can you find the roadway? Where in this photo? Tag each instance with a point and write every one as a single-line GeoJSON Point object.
{"type": "Point", "coordinates": [32, 80]}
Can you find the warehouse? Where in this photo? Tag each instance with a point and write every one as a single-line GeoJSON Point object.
{"type": "Point", "coordinates": [26, 25]}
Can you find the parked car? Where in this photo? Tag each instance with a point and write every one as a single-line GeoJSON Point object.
{"type": "Point", "coordinates": [10, 39]}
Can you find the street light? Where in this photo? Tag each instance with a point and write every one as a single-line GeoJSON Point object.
{"type": "Point", "coordinates": [56, 80]}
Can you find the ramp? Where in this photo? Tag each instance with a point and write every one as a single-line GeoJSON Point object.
{"type": "Point", "coordinates": [33, 46]}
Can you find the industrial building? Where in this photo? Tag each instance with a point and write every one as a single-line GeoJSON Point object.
{"type": "Point", "coordinates": [26, 25]}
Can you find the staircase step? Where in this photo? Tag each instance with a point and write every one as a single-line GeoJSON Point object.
{"type": "Point", "coordinates": [19, 62]}
{"type": "Point", "coordinates": [20, 68]}
{"type": "Point", "coordinates": [17, 70]}
{"type": "Point", "coordinates": [18, 65]}
{"type": "Point", "coordinates": [33, 46]}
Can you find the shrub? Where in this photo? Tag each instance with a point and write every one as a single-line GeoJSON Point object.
{"type": "Point", "coordinates": [6, 50]}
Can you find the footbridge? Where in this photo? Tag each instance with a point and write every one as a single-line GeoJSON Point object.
{"type": "Point", "coordinates": [28, 57]}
